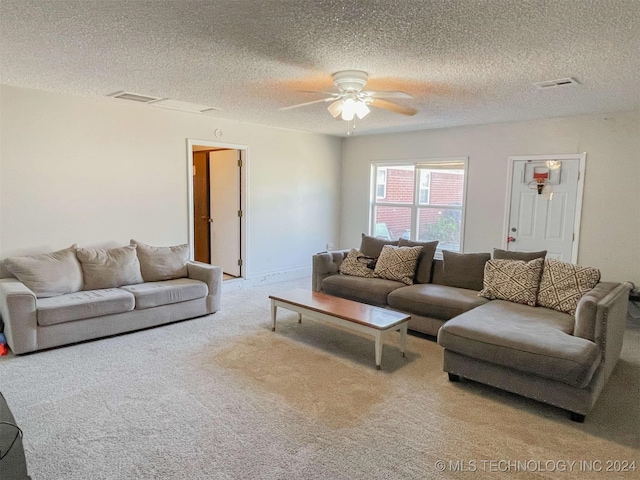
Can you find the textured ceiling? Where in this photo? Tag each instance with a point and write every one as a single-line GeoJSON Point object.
{"type": "Point", "coordinates": [463, 61]}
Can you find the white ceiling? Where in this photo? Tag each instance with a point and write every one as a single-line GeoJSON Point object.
{"type": "Point", "coordinates": [464, 61]}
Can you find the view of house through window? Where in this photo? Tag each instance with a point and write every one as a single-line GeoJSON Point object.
{"type": "Point", "coordinates": [421, 201]}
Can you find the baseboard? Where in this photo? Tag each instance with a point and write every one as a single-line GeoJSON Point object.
{"type": "Point", "coordinates": [267, 278]}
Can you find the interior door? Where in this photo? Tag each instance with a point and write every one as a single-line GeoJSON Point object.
{"type": "Point", "coordinates": [545, 220]}
{"type": "Point", "coordinates": [224, 181]}
{"type": "Point", "coordinates": [201, 207]}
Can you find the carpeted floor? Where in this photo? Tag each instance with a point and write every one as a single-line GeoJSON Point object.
{"type": "Point", "coordinates": [223, 397]}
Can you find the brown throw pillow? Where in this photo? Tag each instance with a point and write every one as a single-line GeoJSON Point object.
{"type": "Point", "coordinates": [511, 255]}
{"type": "Point", "coordinates": [398, 263]}
{"type": "Point", "coordinates": [464, 270]}
{"type": "Point", "coordinates": [357, 265]}
{"type": "Point", "coordinates": [423, 268]}
{"type": "Point", "coordinates": [372, 246]}
{"type": "Point", "coordinates": [512, 280]}
{"type": "Point", "coordinates": [563, 285]}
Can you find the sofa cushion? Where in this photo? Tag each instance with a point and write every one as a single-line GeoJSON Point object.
{"type": "Point", "coordinates": [534, 340]}
{"type": "Point", "coordinates": [357, 265]}
{"type": "Point", "coordinates": [162, 263]}
{"type": "Point", "coordinates": [563, 284]}
{"type": "Point", "coordinates": [436, 301]}
{"type": "Point", "coordinates": [48, 274]}
{"type": "Point", "coordinates": [398, 263]}
{"type": "Point", "coordinates": [372, 246]}
{"type": "Point", "coordinates": [103, 268]}
{"type": "Point", "coordinates": [512, 280]}
{"type": "Point", "coordinates": [373, 291]}
{"type": "Point", "coordinates": [155, 294]}
{"type": "Point", "coordinates": [81, 305]}
{"type": "Point", "coordinates": [499, 254]}
{"type": "Point", "coordinates": [464, 270]}
{"type": "Point", "coordinates": [425, 260]}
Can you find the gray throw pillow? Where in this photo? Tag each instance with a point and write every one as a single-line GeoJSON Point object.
{"type": "Point", "coordinates": [464, 270]}
{"type": "Point", "coordinates": [372, 246]}
{"type": "Point", "coordinates": [425, 260]}
{"type": "Point", "coordinates": [499, 254]}
{"type": "Point", "coordinates": [48, 274]}
{"type": "Point", "coordinates": [162, 263]}
{"type": "Point", "coordinates": [102, 268]}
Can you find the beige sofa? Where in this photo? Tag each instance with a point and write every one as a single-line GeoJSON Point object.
{"type": "Point", "coordinates": [537, 352]}
{"type": "Point", "coordinates": [57, 299]}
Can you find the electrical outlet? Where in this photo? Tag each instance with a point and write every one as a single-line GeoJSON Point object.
{"type": "Point", "coordinates": [329, 246]}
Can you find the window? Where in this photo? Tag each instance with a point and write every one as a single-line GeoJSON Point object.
{"type": "Point", "coordinates": [422, 201]}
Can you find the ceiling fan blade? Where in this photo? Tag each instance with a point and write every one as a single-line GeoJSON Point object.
{"type": "Point", "coordinates": [394, 107]}
{"type": "Point", "coordinates": [386, 94]}
{"type": "Point", "coordinates": [308, 103]}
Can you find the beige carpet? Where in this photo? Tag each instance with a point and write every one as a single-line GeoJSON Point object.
{"type": "Point", "coordinates": [223, 397]}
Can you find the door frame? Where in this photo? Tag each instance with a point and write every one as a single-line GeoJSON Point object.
{"type": "Point", "coordinates": [244, 197]}
{"type": "Point", "coordinates": [582, 159]}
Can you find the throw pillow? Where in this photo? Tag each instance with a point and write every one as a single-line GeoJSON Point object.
{"type": "Point", "coordinates": [512, 280]}
{"type": "Point", "coordinates": [511, 255]}
{"type": "Point", "coordinates": [563, 285]}
{"type": "Point", "coordinates": [425, 260]}
{"type": "Point", "coordinates": [48, 274]}
{"type": "Point", "coordinates": [162, 263]}
{"type": "Point", "coordinates": [103, 268]}
{"type": "Point", "coordinates": [398, 263]}
{"type": "Point", "coordinates": [372, 246]}
{"type": "Point", "coordinates": [464, 270]}
{"type": "Point", "coordinates": [357, 265]}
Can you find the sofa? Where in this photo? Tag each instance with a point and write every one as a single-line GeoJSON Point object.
{"type": "Point", "coordinates": [78, 294]}
{"type": "Point", "coordinates": [13, 464]}
{"type": "Point", "coordinates": [563, 358]}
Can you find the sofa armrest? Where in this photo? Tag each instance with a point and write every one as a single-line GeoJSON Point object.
{"type": "Point", "coordinates": [19, 313]}
{"type": "Point", "coordinates": [212, 276]}
{"type": "Point", "coordinates": [611, 318]}
{"type": "Point", "coordinates": [324, 265]}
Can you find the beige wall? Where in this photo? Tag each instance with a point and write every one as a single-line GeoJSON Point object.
{"type": "Point", "coordinates": [99, 171]}
{"type": "Point", "coordinates": [610, 231]}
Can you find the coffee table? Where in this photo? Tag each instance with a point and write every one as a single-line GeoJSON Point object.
{"type": "Point", "coordinates": [356, 316]}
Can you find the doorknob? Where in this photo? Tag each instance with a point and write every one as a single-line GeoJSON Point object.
{"type": "Point", "coordinates": [511, 239]}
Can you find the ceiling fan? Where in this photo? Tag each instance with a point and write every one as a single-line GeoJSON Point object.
{"type": "Point", "coordinates": [352, 101]}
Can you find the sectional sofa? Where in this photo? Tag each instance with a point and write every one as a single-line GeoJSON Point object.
{"type": "Point", "coordinates": [80, 294]}
{"type": "Point", "coordinates": [559, 358]}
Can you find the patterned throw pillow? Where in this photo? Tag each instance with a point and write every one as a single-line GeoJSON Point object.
{"type": "Point", "coordinates": [356, 265]}
{"type": "Point", "coordinates": [563, 285]}
{"type": "Point", "coordinates": [398, 263]}
{"type": "Point", "coordinates": [513, 280]}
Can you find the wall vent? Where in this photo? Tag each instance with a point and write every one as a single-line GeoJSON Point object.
{"type": "Point", "coordinates": [134, 97]}
{"type": "Point", "coordinates": [561, 82]}
{"type": "Point", "coordinates": [183, 106]}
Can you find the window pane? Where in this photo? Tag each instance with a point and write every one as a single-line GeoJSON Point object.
{"type": "Point", "coordinates": [445, 187]}
{"type": "Point", "coordinates": [442, 225]}
{"type": "Point", "coordinates": [399, 184]}
{"type": "Point", "coordinates": [381, 184]}
{"type": "Point", "coordinates": [392, 222]}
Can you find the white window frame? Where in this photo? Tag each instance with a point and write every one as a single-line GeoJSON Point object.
{"type": "Point", "coordinates": [384, 183]}
{"type": "Point", "coordinates": [416, 205]}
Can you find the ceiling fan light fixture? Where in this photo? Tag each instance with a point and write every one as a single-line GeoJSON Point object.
{"type": "Point", "coordinates": [361, 109]}
{"type": "Point", "coordinates": [335, 108]}
{"type": "Point", "coordinates": [349, 107]}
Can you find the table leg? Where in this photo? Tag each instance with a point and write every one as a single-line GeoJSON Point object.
{"type": "Point", "coordinates": [274, 309]}
{"type": "Point", "coordinates": [378, 349]}
{"type": "Point", "coordinates": [403, 337]}
{"type": "Point", "coordinates": [299, 318]}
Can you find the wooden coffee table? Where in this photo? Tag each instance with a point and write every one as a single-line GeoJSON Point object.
{"type": "Point", "coordinates": [357, 316]}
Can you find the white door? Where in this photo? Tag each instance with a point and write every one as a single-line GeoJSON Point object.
{"type": "Point", "coordinates": [548, 220]}
{"type": "Point", "coordinates": [224, 175]}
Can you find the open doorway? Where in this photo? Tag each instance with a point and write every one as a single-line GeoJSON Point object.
{"type": "Point", "coordinates": [217, 207]}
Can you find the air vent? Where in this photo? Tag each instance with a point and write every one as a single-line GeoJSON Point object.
{"type": "Point", "coordinates": [183, 106]}
{"type": "Point", "coordinates": [561, 82]}
{"type": "Point", "coordinates": [134, 97]}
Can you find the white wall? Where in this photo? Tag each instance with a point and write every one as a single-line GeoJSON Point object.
{"type": "Point", "coordinates": [610, 231]}
{"type": "Point", "coordinates": [99, 171]}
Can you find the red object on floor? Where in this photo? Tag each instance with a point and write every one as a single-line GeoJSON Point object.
{"type": "Point", "coordinates": [3, 349]}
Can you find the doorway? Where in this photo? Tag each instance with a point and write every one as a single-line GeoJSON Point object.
{"type": "Point", "coordinates": [544, 204]}
{"type": "Point", "coordinates": [217, 205]}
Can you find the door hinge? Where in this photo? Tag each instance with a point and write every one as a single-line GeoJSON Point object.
{"type": "Point", "coordinates": [240, 163]}
{"type": "Point", "coordinates": [239, 262]}
{"type": "Point", "coordinates": [578, 175]}
{"type": "Point", "coordinates": [573, 239]}
{"type": "Point", "coordinates": [240, 213]}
